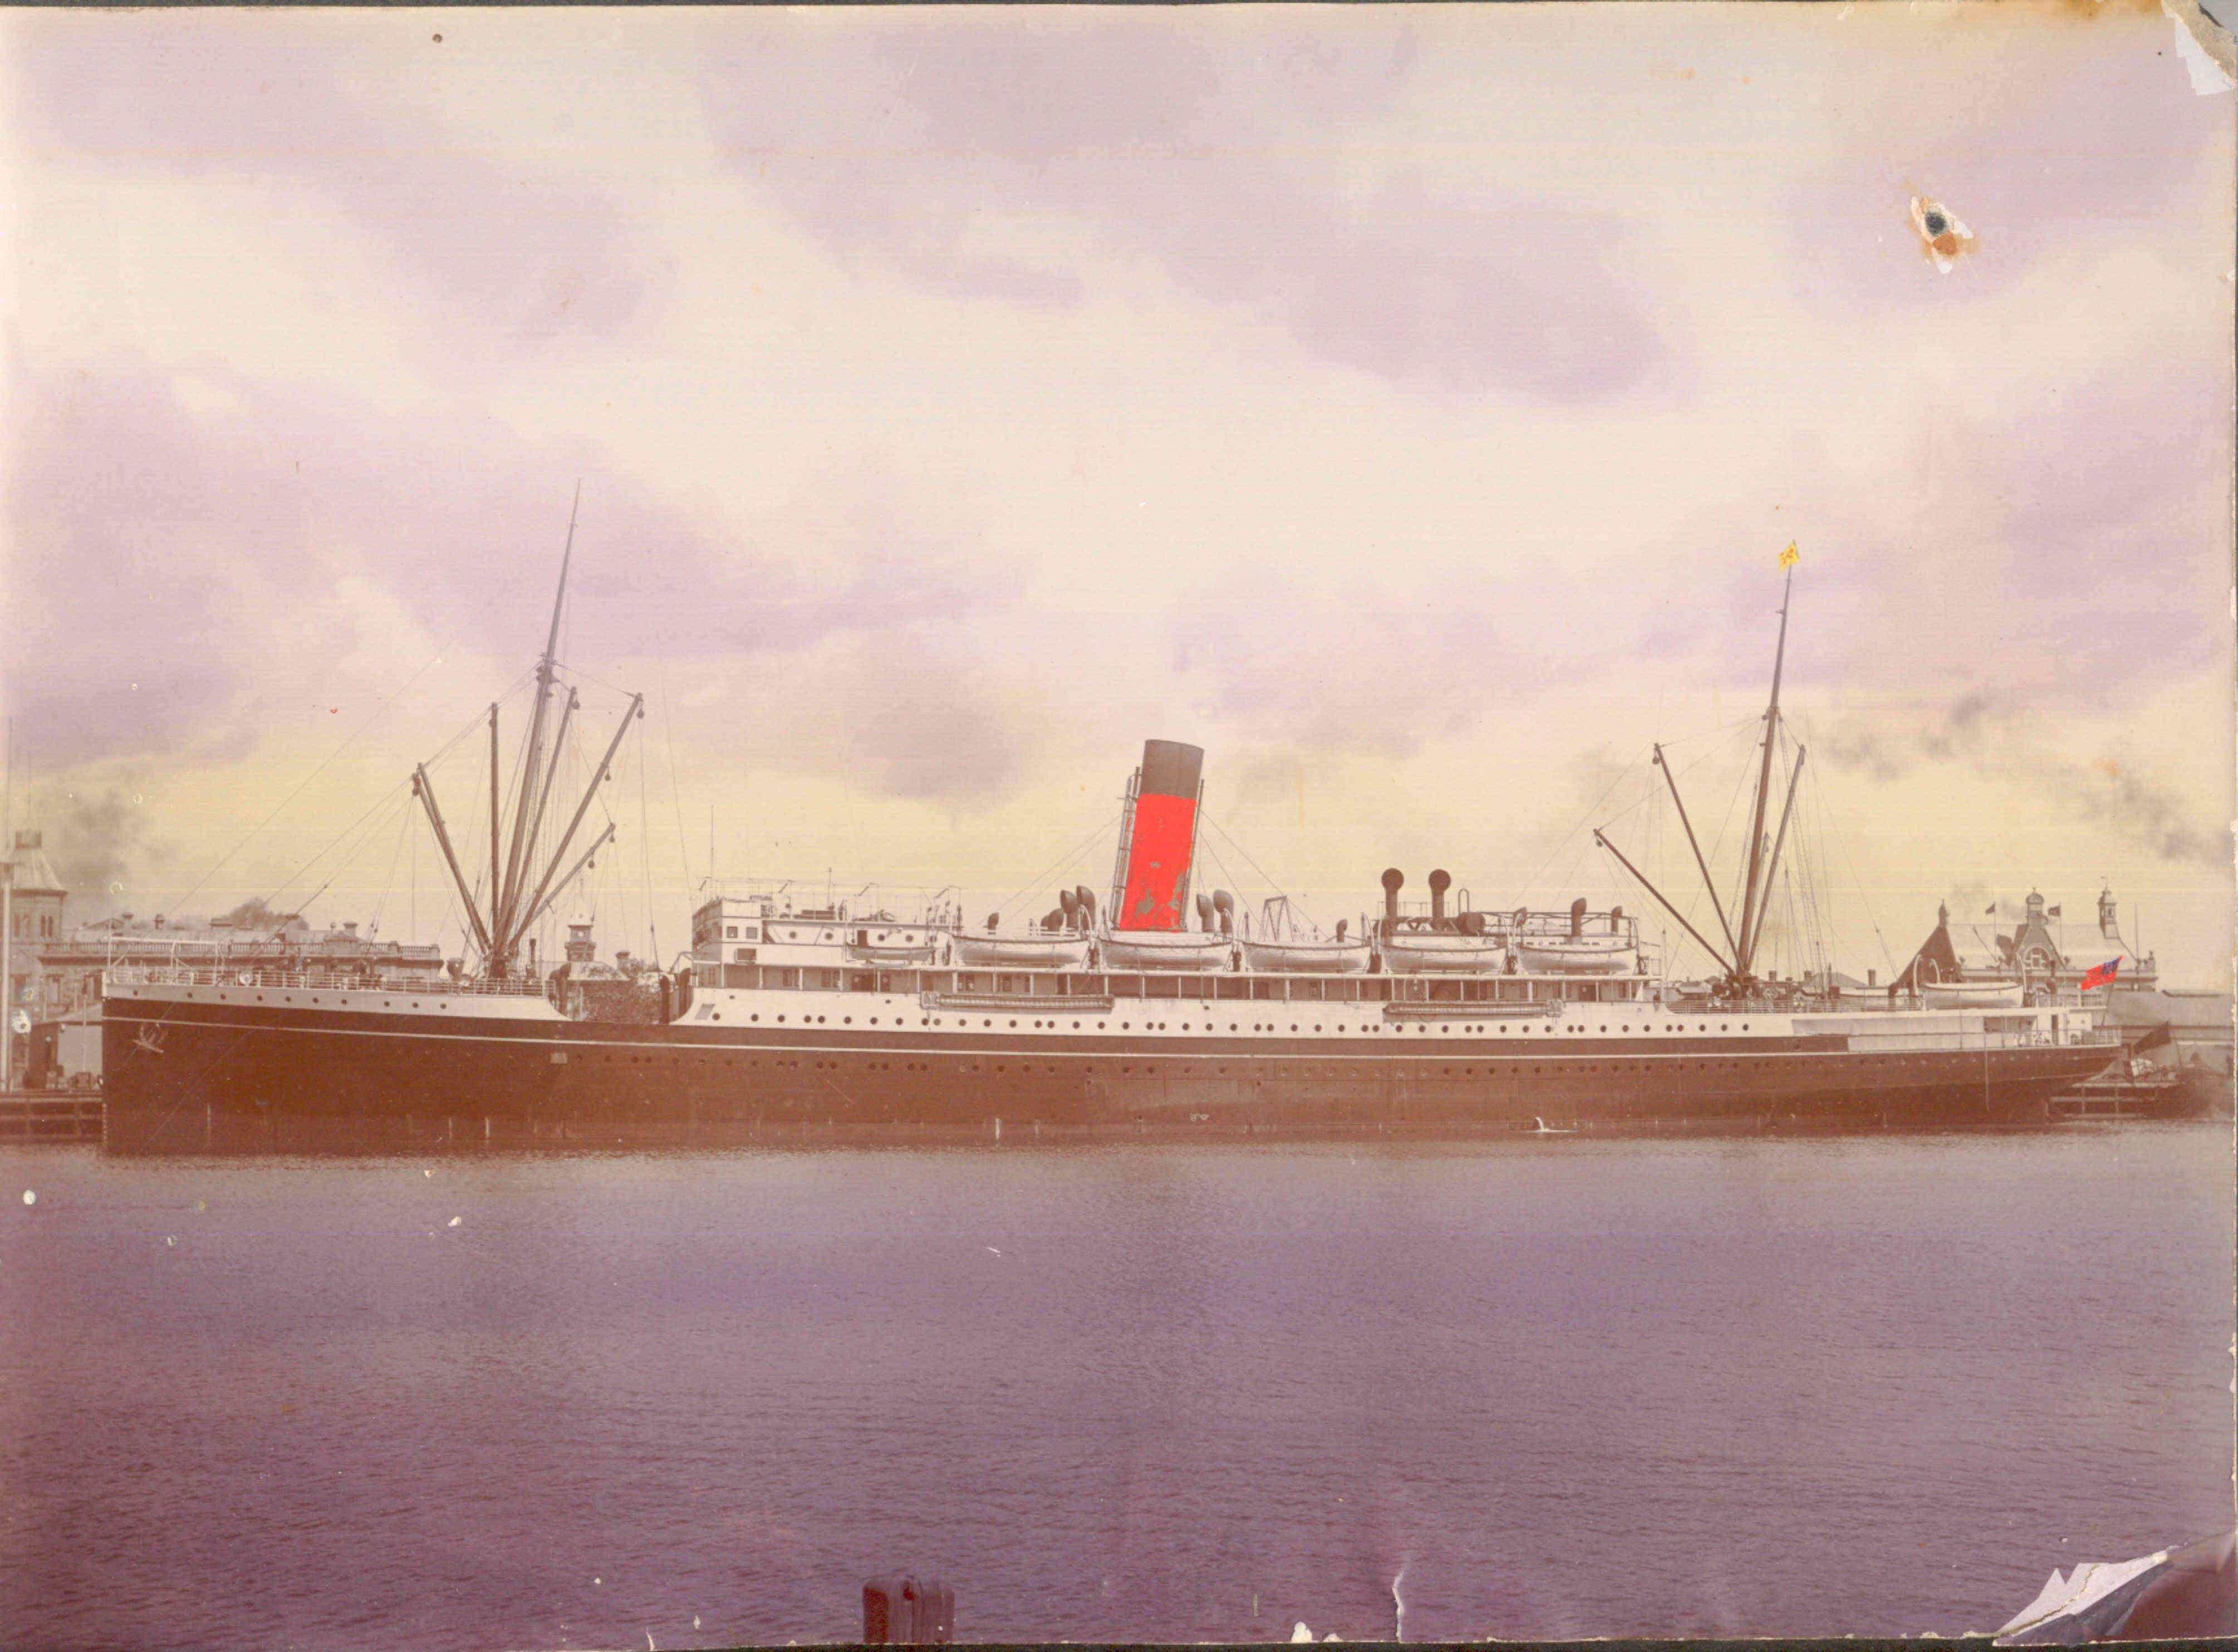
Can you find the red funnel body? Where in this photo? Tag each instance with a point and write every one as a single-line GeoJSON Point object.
{"type": "Point", "coordinates": [1161, 838]}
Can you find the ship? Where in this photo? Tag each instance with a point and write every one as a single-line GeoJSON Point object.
{"type": "Point", "coordinates": [853, 1020]}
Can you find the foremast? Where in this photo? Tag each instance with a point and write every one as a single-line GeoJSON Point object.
{"type": "Point", "coordinates": [524, 879]}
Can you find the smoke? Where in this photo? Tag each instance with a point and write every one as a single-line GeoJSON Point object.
{"type": "Point", "coordinates": [2145, 814]}
{"type": "Point", "coordinates": [96, 839]}
{"type": "Point", "coordinates": [1962, 731]}
{"type": "Point", "coordinates": [253, 914]}
{"type": "Point", "coordinates": [1997, 740]}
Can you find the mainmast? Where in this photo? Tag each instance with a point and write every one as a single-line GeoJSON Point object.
{"type": "Point", "coordinates": [1746, 957]}
{"type": "Point", "coordinates": [514, 871]}
{"type": "Point", "coordinates": [1739, 961]}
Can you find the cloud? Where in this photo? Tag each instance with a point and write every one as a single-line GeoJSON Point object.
{"type": "Point", "coordinates": [187, 549]}
{"type": "Point", "coordinates": [994, 157]}
{"type": "Point", "coordinates": [504, 257]}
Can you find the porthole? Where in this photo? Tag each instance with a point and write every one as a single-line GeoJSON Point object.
{"type": "Point", "coordinates": [719, 1015]}
{"type": "Point", "coordinates": [845, 1020]}
{"type": "Point", "coordinates": [1013, 1023]}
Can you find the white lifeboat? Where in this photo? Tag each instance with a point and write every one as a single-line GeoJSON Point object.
{"type": "Point", "coordinates": [1438, 952]}
{"type": "Point", "coordinates": [1048, 949]}
{"type": "Point", "coordinates": [1306, 957]}
{"type": "Point", "coordinates": [1584, 955]}
{"type": "Point", "coordinates": [1546, 944]}
{"type": "Point", "coordinates": [1289, 944]}
{"type": "Point", "coordinates": [1970, 994]}
{"type": "Point", "coordinates": [1164, 949]}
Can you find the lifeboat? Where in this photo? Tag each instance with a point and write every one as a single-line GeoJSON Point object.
{"type": "Point", "coordinates": [1970, 994]}
{"type": "Point", "coordinates": [1544, 945]}
{"type": "Point", "coordinates": [1456, 943]}
{"type": "Point", "coordinates": [1054, 949]}
{"type": "Point", "coordinates": [1289, 945]}
{"type": "Point", "coordinates": [1584, 955]}
{"type": "Point", "coordinates": [1438, 952]}
{"type": "Point", "coordinates": [1306, 957]}
{"type": "Point", "coordinates": [1164, 949]}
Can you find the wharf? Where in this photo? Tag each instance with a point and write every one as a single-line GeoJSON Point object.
{"type": "Point", "coordinates": [49, 1115]}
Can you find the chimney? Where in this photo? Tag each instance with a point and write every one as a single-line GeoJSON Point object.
{"type": "Point", "coordinates": [1440, 881]}
{"type": "Point", "coordinates": [1161, 837]}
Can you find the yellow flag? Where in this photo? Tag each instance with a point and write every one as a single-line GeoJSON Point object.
{"type": "Point", "coordinates": [1788, 557]}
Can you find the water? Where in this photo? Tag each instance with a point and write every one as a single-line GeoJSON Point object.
{"type": "Point", "coordinates": [1559, 1387]}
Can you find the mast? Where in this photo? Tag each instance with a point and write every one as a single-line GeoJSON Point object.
{"type": "Point", "coordinates": [1745, 958]}
{"type": "Point", "coordinates": [1778, 843]}
{"type": "Point", "coordinates": [510, 938]}
{"type": "Point", "coordinates": [514, 871]}
{"type": "Point", "coordinates": [1708, 882]}
{"type": "Point", "coordinates": [494, 785]}
{"type": "Point", "coordinates": [424, 790]}
{"type": "Point", "coordinates": [1659, 896]}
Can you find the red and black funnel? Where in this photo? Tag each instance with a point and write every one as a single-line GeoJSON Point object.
{"type": "Point", "coordinates": [1161, 837]}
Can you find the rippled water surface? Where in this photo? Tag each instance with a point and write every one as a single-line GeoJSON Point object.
{"type": "Point", "coordinates": [1559, 1387]}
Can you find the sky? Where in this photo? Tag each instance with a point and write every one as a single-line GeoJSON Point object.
{"type": "Point", "coordinates": [1408, 405]}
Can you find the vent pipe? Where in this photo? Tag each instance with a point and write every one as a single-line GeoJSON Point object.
{"type": "Point", "coordinates": [1393, 880]}
{"type": "Point", "coordinates": [1440, 881]}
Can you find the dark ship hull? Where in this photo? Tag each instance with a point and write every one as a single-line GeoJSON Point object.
{"type": "Point", "coordinates": [186, 1076]}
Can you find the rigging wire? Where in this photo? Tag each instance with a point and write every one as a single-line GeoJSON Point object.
{"type": "Point", "coordinates": [348, 741]}
{"type": "Point", "coordinates": [675, 787]}
{"type": "Point", "coordinates": [403, 831]}
{"type": "Point", "coordinates": [1003, 906]}
{"type": "Point", "coordinates": [1229, 838]}
{"type": "Point", "coordinates": [645, 857]}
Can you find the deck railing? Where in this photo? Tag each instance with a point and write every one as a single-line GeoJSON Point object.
{"type": "Point", "coordinates": [171, 976]}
